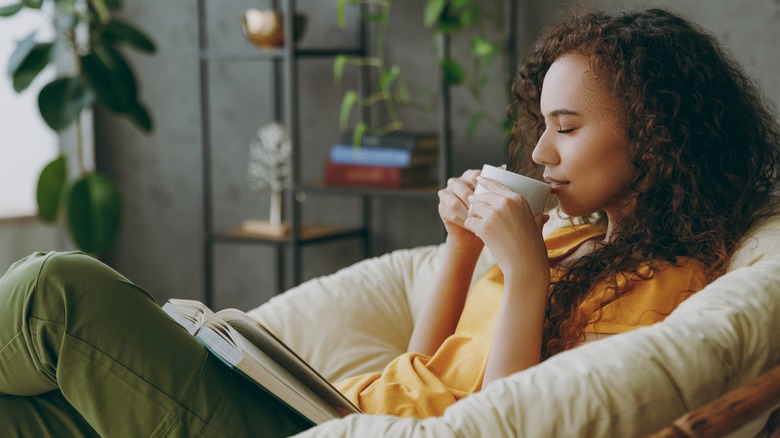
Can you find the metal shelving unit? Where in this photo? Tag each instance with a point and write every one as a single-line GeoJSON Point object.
{"type": "Point", "coordinates": [286, 110]}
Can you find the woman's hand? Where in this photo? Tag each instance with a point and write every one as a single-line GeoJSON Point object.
{"type": "Point", "coordinates": [503, 220]}
{"type": "Point", "coordinates": [454, 210]}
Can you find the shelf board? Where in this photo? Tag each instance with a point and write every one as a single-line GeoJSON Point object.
{"type": "Point", "coordinates": [251, 54]}
{"type": "Point", "coordinates": [424, 192]}
{"type": "Point", "coordinates": [308, 234]}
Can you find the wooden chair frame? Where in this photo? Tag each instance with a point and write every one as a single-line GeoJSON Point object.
{"type": "Point", "coordinates": [731, 411]}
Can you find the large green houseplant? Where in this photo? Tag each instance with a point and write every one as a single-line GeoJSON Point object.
{"type": "Point", "coordinates": [86, 30]}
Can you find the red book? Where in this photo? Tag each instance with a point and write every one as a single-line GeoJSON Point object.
{"type": "Point", "coordinates": [377, 176]}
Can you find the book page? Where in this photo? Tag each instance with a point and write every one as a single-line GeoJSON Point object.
{"type": "Point", "coordinates": [190, 314]}
{"type": "Point", "coordinates": [225, 342]}
{"type": "Point", "coordinates": [263, 339]}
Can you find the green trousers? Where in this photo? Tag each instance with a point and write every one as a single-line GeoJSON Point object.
{"type": "Point", "coordinates": [85, 352]}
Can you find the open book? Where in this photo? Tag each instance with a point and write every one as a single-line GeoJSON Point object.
{"type": "Point", "coordinates": [248, 347]}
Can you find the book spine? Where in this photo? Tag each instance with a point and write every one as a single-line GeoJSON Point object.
{"type": "Point", "coordinates": [399, 141]}
{"type": "Point", "coordinates": [373, 176]}
{"type": "Point", "coordinates": [387, 157]}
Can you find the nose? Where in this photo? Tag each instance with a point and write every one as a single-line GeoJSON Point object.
{"type": "Point", "coordinates": [544, 152]}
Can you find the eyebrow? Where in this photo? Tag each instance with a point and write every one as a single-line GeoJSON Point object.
{"type": "Point", "coordinates": [563, 112]}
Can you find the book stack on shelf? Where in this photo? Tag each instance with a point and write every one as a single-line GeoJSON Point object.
{"type": "Point", "coordinates": [397, 160]}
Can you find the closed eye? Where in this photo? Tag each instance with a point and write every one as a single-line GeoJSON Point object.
{"type": "Point", "coordinates": [565, 131]}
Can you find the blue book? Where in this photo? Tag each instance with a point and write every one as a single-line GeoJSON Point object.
{"type": "Point", "coordinates": [379, 156]}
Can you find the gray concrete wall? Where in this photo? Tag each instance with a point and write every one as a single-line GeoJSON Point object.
{"type": "Point", "coordinates": [160, 175]}
{"type": "Point", "coordinates": [22, 236]}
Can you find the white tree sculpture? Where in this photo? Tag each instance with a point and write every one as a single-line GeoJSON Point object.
{"type": "Point", "coordinates": [269, 166]}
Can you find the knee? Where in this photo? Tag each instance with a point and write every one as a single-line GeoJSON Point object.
{"type": "Point", "coordinates": [23, 275]}
{"type": "Point", "coordinates": [59, 283]}
{"type": "Point", "coordinates": [67, 272]}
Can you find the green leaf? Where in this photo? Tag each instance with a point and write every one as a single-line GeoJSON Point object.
{"type": "Point", "coordinates": [377, 17]}
{"type": "Point", "coordinates": [448, 24]}
{"type": "Point", "coordinates": [49, 190]}
{"type": "Point", "coordinates": [36, 60]}
{"type": "Point", "coordinates": [483, 48]}
{"type": "Point", "coordinates": [110, 76]}
{"type": "Point", "coordinates": [473, 122]}
{"type": "Point", "coordinates": [387, 78]}
{"type": "Point", "coordinates": [116, 64]}
{"type": "Point", "coordinates": [340, 13]}
{"type": "Point", "coordinates": [101, 10]}
{"type": "Point", "coordinates": [458, 15]}
{"type": "Point", "coordinates": [469, 16]}
{"type": "Point", "coordinates": [114, 5]}
{"type": "Point", "coordinates": [350, 98]}
{"type": "Point", "coordinates": [114, 84]}
{"type": "Point", "coordinates": [338, 67]}
{"type": "Point", "coordinates": [453, 73]}
{"type": "Point", "coordinates": [10, 10]}
{"type": "Point", "coordinates": [140, 115]}
{"type": "Point", "coordinates": [433, 12]}
{"type": "Point", "coordinates": [460, 4]}
{"type": "Point", "coordinates": [34, 4]}
{"type": "Point", "coordinates": [62, 100]}
{"type": "Point", "coordinates": [127, 34]}
{"type": "Point", "coordinates": [360, 131]}
{"type": "Point", "coordinates": [94, 213]}
{"type": "Point", "coordinates": [402, 91]}
{"type": "Point", "coordinates": [22, 50]}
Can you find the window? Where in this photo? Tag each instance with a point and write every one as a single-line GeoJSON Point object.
{"type": "Point", "coordinates": [27, 144]}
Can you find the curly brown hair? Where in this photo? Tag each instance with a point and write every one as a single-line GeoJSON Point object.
{"type": "Point", "coordinates": [703, 140]}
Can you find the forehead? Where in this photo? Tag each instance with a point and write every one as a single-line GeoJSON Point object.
{"type": "Point", "coordinates": [571, 84]}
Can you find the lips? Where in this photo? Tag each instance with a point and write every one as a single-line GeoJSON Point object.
{"type": "Point", "coordinates": [554, 183]}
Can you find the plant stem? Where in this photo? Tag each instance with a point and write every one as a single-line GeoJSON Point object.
{"type": "Point", "coordinates": [384, 26]}
{"type": "Point", "coordinates": [79, 148]}
{"type": "Point", "coordinates": [75, 49]}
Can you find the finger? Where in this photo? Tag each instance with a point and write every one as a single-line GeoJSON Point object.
{"type": "Point", "coordinates": [451, 206]}
{"type": "Point", "coordinates": [494, 186]}
{"type": "Point", "coordinates": [458, 188]}
{"type": "Point", "coordinates": [470, 177]}
{"type": "Point", "coordinates": [464, 188]}
{"type": "Point", "coordinates": [473, 224]}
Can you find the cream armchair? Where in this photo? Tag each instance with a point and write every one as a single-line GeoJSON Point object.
{"type": "Point", "coordinates": [359, 318]}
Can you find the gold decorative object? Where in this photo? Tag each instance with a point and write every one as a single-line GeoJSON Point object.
{"type": "Point", "coordinates": [265, 28]}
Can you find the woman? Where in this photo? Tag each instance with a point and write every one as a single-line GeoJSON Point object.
{"type": "Point", "coordinates": [644, 128]}
{"type": "Point", "coordinates": [639, 119]}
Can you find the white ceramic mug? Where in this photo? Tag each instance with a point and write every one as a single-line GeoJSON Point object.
{"type": "Point", "coordinates": [535, 192]}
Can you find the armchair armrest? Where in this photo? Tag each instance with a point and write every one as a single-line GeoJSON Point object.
{"type": "Point", "coordinates": [624, 385]}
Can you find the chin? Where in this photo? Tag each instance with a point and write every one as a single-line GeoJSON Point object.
{"type": "Point", "coordinates": [574, 210]}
